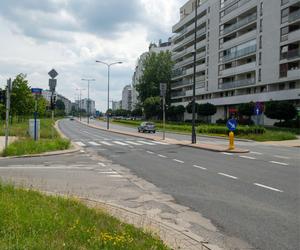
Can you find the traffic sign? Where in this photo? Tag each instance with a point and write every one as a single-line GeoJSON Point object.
{"type": "Point", "coordinates": [36, 91]}
{"type": "Point", "coordinates": [231, 124]}
{"type": "Point", "coordinates": [163, 89]}
{"type": "Point", "coordinates": [53, 73]}
{"type": "Point", "coordinates": [258, 109]}
{"type": "Point", "coordinates": [52, 84]}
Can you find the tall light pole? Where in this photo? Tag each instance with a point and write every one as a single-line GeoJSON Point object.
{"type": "Point", "coordinates": [194, 139]}
{"type": "Point", "coordinates": [88, 101]}
{"type": "Point", "coordinates": [79, 104]}
{"type": "Point", "coordinates": [108, 75]}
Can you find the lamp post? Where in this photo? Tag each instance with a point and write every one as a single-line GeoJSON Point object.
{"type": "Point", "coordinates": [88, 101]}
{"type": "Point", "coordinates": [79, 104]}
{"type": "Point", "coordinates": [194, 139]}
{"type": "Point", "coordinates": [108, 76]}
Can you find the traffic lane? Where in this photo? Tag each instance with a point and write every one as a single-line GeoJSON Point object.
{"type": "Point", "coordinates": [232, 205]}
{"type": "Point", "coordinates": [284, 178]}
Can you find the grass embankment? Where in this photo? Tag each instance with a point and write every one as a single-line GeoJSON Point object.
{"type": "Point", "coordinates": [246, 132]}
{"type": "Point", "coordinates": [30, 220]}
{"type": "Point", "coordinates": [25, 145]}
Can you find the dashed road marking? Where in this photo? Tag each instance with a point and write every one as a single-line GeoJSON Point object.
{"type": "Point", "coordinates": [179, 161]}
{"type": "Point", "coordinates": [147, 143]}
{"type": "Point", "coordinates": [162, 156]}
{"type": "Point", "coordinates": [267, 187]}
{"type": "Point", "coordinates": [224, 153]}
{"type": "Point", "coordinates": [229, 176]}
{"type": "Point", "coordinates": [79, 143]}
{"type": "Point", "coordinates": [150, 152]}
{"type": "Point", "coordinates": [247, 157]}
{"type": "Point", "coordinates": [120, 143]}
{"type": "Point", "coordinates": [279, 163]}
{"type": "Point", "coordinates": [101, 164]}
{"type": "Point", "coordinates": [115, 176]}
{"type": "Point", "coordinates": [196, 166]}
{"type": "Point", "coordinates": [256, 153]}
{"type": "Point", "coordinates": [281, 157]}
{"type": "Point", "coordinates": [108, 172]}
{"type": "Point", "coordinates": [106, 143]}
{"type": "Point", "coordinates": [134, 143]}
{"type": "Point", "coordinates": [94, 143]}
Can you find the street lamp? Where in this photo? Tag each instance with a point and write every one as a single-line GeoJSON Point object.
{"type": "Point", "coordinates": [194, 139]}
{"type": "Point", "coordinates": [108, 75]}
{"type": "Point", "coordinates": [88, 102]}
{"type": "Point", "coordinates": [79, 104]}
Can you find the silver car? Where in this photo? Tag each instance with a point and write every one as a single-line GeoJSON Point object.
{"type": "Point", "coordinates": [147, 127]}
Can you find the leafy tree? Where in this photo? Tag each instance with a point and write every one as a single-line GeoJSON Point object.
{"type": "Point", "coordinates": [175, 113]}
{"type": "Point", "coordinates": [42, 106]}
{"type": "Point", "coordinates": [121, 112]}
{"type": "Point", "coordinates": [152, 107]}
{"type": "Point", "coordinates": [157, 69]}
{"type": "Point", "coordinates": [246, 109]}
{"type": "Point", "coordinates": [280, 110]}
{"type": "Point", "coordinates": [206, 110]}
{"type": "Point", "coordinates": [138, 111]}
{"type": "Point", "coordinates": [60, 105]}
{"type": "Point", "coordinates": [22, 100]}
{"type": "Point", "coordinates": [189, 107]}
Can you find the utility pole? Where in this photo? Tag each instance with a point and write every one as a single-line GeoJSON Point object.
{"type": "Point", "coordinates": [8, 90]}
{"type": "Point", "coordinates": [88, 101]}
{"type": "Point", "coordinates": [194, 139]}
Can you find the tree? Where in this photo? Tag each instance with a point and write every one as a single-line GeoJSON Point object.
{"type": "Point", "coordinates": [157, 69]}
{"type": "Point", "coordinates": [206, 110]}
{"type": "Point", "coordinates": [60, 105]}
{"type": "Point", "coordinates": [246, 109]}
{"type": "Point", "coordinates": [175, 113]}
{"type": "Point", "coordinates": [189, 107]}
{"type": "Point", "coordinates": [137, 112]}
{"type": "Point", "coordinates": [152, 107]}
{"type": "Point", "coordinates": [42, 106]}
{"type": "Point", "coordinates": [122, 112]}
{"type": "Point", "coordinates": [280, 110]}
{"type": "Point", "coordinates": [22, 100]}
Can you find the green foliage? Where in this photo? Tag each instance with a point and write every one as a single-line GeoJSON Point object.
{"type": "Point", "coordinates": [152, 107]}
{"type": "Point", "coordinates": [138, 112]}
{"type": "Point", "coordinates": [175, 113]}
{"type": "Point", "coordinates": [157, 69]}
{"type": "Point", "coordinates": [121, 112]}
{"type": "Point", "coordinates": [22, 101]}
{"type": "Point", "coordinates": [280, 110]}
{"type": "Point", "coordinates": [246, 109]}
{"type": "Point", "coordinates": [206, 109]}
{"type": "Point", "coordinates": [60, 105]}
{"type": "Point", "coordinates": [31, 220]}
{"type": "Point", "coordinates": [189, 107]}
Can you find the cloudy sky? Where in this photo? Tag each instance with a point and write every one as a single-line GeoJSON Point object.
{"type": "Point", "coordinates": [69, 35]}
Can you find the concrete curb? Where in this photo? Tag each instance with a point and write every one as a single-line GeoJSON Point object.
{"type": "Point", "coordinates": [174, 236]}
{"type": "Point", "coordinates": [74, 148]}
{"type": "Point", "coordinates": [207, 147]}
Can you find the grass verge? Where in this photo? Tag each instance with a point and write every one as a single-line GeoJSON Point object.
{"type": "Point", "coordinates": [27, 146]}
{"type": "Point", "coordinates": [30, 220]}
{"type": "Point", "coordinates": [244, 132]}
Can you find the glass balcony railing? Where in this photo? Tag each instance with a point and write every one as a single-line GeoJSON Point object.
{"type": "Point", "coordinates": [178, 72]}
{"type": "Point", "coordinates": [294, 16]}
{"type": "Point", "coordinates": [240, 23]}
{"type": "Point", "coordinates": [237, 83]}
{"type": "Point", "coordinates": [178, 94]}
{"type": "Point", "coordinates": [240, 53]}
{"type": "Point", "coordinates": [199, 81]}
{"type": "Point", "coordinates": [291, 54]}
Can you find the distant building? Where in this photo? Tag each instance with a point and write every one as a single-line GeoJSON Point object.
{"type": "Point", "coordinates": [116, 105]}
{"type": "Point", "coordinates": [68, 104]}
{"type": "Point", "coordinates": [139, 68]}
{"type": "Point", "coordinates": [127, 98]}
{"type": "Point", "coordinates": [83, 105]}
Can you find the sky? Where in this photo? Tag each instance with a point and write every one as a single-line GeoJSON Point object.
{"type": "Point", "coordinates": [69, 35]}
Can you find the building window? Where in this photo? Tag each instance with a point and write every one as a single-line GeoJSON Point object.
{"type": "Point", "coordinates": [285, 15]}
{"type": "Point", "coordinates": [261, 8]}
{"type": "Point", "coordinates": [263, 89]}
{"type": "Point", "coordinates": [260, 25]}
{"type": "Point", "coordinates": [260, 42]}
{"type": "Point", "coordinates": [283, 2]}
{"type": "Point", "coordinates": [259, 75]}
{"type": "Point", "coordinates": [259, 58]}
{"type": "Point", "coordinates": [281, 86]}
{"type": "Point", "coordinates": [292, 85]}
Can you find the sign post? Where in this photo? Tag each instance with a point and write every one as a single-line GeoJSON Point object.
{"type": "Point", "coordinates": [231, 125]}
{"type": "Point", "coordinates": [37, 92]}
{"type": "Point", "coordinates": [163, 91]}
{"type": "Point", "coordinates": [8, 90]}
{"type": "Point", "coordinates": [258, 109]}
{"type": "Point", "coordinates": [52, 85]}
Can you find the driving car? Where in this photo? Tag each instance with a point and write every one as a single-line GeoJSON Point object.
{"type": "Point", "coordinates": [147, 127]}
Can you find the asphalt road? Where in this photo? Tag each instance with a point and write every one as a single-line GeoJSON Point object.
{"type": "Point", "coordinates": [254, 197]}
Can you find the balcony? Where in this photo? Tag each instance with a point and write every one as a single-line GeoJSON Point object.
{"type": "Point", "coordinates": [235, 6]}
{"type": "Point", "coordinates": [237, 83]}
{"type": "Point", "coordinates": [238, 40]}
{"type": "Point", "coordinates": [178, 94]}
{"type": "Point", "coordinates": [240, 23]}
{"type": "Point", "coordinates": [239, 69]}
{"type": "Point", "coordinates": [294, 16]}
{"type": "Point", "coordinates": [240, 53]}
{"type": "Point", "coordinates": [293, 73]}
{"type": "Point", "coordinates": [199, 80]}
{"type": "Point", "coordinates": [189, 39]}
{"type": "Point", "coordinates": [189, 60]}
{"type": "Point", "coordinates": [178, 73]}
{"type": "Point", "coordinates": [291, 54]}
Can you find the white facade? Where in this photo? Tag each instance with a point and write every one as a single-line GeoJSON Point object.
{"type": "Point", "coordinates": [116, 105]}
{"type": "Point", "coordinates": [127, 98]}
{"type": "Point", "coordinates": [247, 50]}
{"type": "Point", "coordinates": [68, 104]}
{"type": "Point", "coordinates": [83, 105]}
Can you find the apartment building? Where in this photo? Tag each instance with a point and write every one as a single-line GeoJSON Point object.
{"type": "Point", "coordinates": [83, 104]}
{"type": "Point", "coordinates": [246, 50]}
{"type": "Point", "coordinates": [127, 98]}
{"type": "Point", "coordinates": [68, 104]}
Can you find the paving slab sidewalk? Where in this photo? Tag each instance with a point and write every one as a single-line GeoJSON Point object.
{"type": "Point", "coordinates": [204, 146]}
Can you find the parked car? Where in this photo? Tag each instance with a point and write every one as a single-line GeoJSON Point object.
{"type": "Point", "coordinates": [147, 127]}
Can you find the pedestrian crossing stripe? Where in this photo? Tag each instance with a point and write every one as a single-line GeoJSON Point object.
{"type": "Point", "coordinates": [106, 143]}
{"type": "Point", "coordinates": [79, 143]}
{"type": "Point", "coordinates": [147, 143]}
{"type": "Point", "coordinates": [125, 143]}
{"type": "Point", "coordinates": [120, 143]}
{"type": "Point", "coordinates": [94, 143]}
{"type": "Point", "coordinates": [134, 143]}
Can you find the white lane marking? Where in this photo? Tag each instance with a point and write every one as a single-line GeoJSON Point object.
{"type": "Point", "coordinates": [162, 156]}
{"type": "Point", "coordinates": [196, 166]}
{"type": "Point", "coordinates": [179, 161]}
{"type": "Point", "coordinates": [134, 143]}
{"type": "Point", "coordinates": [82, 151]}
{"type": "Point", "coordinates": [147, 143]}
{"type": "Point", "coordinates": [150, 152]}
{"type": "Point", "coordinates": [79, 143]}
{"type": "Point", "coordinates": [247, 157]}
{"type": "Point", "coordinates": [106, 143]}
{"type": "Point", "coordinates": [161, 143]}
{"type": "Point", "coordinates": [229, 176]}
{"type": "Point", "coordinates": [115, 176]}
{"type": "Point", "coordinates": [46, 167]}
{"type": "Point", "coordinates": [94, 143]}
{"type": "Point", "coordinates": [120, 143]}
{"type": "Point", "coordinates": [101, 164]}
{"type": "Point", "coordinates": [224, 153]}
{"type": "Point", "coordinates": [267, 187]}
{"type": "Point", "coordinates": [108, 172]}
{"type": "Point", "coordinates": [279, 163]}
{"type": "Point", "coordinates": [281, 157]}
{"type": "Point", "coordinates": [255, 153]}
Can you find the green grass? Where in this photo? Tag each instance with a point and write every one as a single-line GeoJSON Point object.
{"type": "Point", "coordinates": [244, 132]}
{"type": "Point", "coordinates": [27, 146]}
{"type": "Point", "coordinates": [30, 220]}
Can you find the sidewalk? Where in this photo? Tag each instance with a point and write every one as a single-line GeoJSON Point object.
{"type": "Point", "coordinates": [204, 146]}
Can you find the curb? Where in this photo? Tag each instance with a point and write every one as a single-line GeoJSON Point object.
{"type": "Point", "coordinates": [74, 149]}
{"type": "Point", "coordinates": [172, 141]}
{"type": "Point", "coordinates": [174, 236]}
